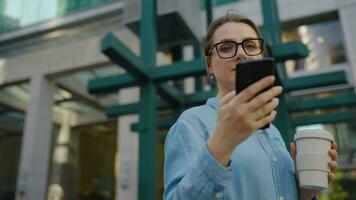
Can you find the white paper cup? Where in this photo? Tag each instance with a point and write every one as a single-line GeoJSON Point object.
{"type": "Point", "coordinates": [312, 157]}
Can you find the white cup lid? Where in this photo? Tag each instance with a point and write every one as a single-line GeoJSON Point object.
{"type": "Point", "coordinates": [314, 133]}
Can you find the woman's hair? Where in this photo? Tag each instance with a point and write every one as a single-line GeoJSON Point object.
{"type": "Point", "coordinates": [229, 17]}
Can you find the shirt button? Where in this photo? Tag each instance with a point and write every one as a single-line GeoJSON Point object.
{"type": "Point", "coordinates": [274, 159]}
{"type": "Point", "coordinates": [218, 195]}
{"type": "Point", "coordinates": [281, 198]}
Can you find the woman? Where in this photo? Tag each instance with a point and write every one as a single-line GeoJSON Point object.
{"type": "Point", "coordinates": [216, 151]}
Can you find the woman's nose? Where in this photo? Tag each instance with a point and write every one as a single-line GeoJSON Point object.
{"type": "Point", "coordinates": [240, 54]}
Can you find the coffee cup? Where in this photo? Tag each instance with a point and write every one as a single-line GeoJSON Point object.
{"type": "Point", "coordinates": [312, 157]}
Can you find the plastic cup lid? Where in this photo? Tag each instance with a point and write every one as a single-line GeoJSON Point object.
{"type": "Point", "coordinates": [314, 133]}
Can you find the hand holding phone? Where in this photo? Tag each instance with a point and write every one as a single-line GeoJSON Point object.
{"type": "Point", "coordinates": [251, 71]}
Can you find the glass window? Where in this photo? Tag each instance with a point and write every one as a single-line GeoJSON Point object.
{"type": "Point", "coordinates": [216, 3]}
{"type": "Point", "coordinates": [13, 106]}
{"type": "Point", "coordinates": [325, 42]}
{"type": "Point", "coordinates": [84, 153]}
{"type": "Point", "coordinates": [29, 12]}
{"type": "Point", "coordinates": [21, 13]}
{"type": "Point", "coordinates": [48, 10]}
{"type": "Point", "coordinates": [10, 14]}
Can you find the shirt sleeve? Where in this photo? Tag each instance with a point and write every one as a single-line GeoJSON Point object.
{"type": "Point", "coordinates": [190, 171]}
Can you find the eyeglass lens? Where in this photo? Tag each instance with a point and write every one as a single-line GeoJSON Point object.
{"type": "Point", "coordinates": [228, 49]}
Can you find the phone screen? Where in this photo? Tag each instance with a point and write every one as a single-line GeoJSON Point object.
{"type": "Point", "coordinates": [250, 71]}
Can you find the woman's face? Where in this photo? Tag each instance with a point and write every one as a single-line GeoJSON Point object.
{"type": "Point", "coordinates": [224, 69]}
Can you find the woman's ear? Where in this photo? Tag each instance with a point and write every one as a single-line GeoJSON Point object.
{"type": "Point", "coordinates": [209, 71]}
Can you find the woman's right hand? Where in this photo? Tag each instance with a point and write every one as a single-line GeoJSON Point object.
{"type": "Point", "coordinates": [240, 115]}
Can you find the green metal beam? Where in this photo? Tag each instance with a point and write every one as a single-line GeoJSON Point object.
{"type": "Point", "coordinates": [127, 109]}
{"type": "Point", "coordinates": [199, 97]}
{"type": "Point", "coordinates": [341, 116]}
{"type": "Point", "coordinates": [174, 71]}
{"type": "Point", "coordinates": [209, 12]}
{"type": "Point", "coordinates": [170, 93]}
{"type": "Point", "coordinates": [175, 91]}
{"type": "Point", "coordinates": [215, 3]}
{"type": "Point", "coordinates": [105, 86]}
{"type": "Point", "coordinates": [289, 50]}
{"type": "Point", "coordinates": [311, 104]}
{"type": "Point", "coordinates": [148, 141]}
{"type": "Point", "coordinates": [179, 70]}
{"type": "Point", "coordinates": [111, 84]}
{"type": "Point", "coordinates": [198, 80]}
{"type": "Point", "coordinates": [283, 121]}
{"type": "Point", "coordinates": [316, 80]}
{"type": "Point", "coordinates": [132, 108]}
{"type": "Point", "coordinates": [271, 24]}
{"type": "Point", "coordinates": [165, 123]}
{"type": "Point", "coordinates": [119, 110]}
{"type": "Point", "coordinates": [123, 56]}
{"type": "Point", "coordinates": [148, 144]}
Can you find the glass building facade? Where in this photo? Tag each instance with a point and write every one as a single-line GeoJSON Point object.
{"type": "Point", "coordinates": [16, 14]}
{"type": "Point", "coordinates": [325, 42]}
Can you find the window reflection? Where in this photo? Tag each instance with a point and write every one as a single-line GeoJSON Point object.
{"type": "Point", "coordinates": [16, 14]}
{"type": "Point", "coordinates": [325, 43]}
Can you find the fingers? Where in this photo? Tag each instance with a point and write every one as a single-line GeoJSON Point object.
{"type": "Point", "coordinates": [332, 165]}
{"type": "Point", "coordinates": [334, 146]}
{"type": "Point", "coordinates": [331, 177]}
{"type": "Point", "coordinates": [263, 98]}
{"type": "Point", "coordinates": [265, 120]}
{"type": "Point", "coordinates": [252, 90]}
{"type": "Point", "coordinates": [293, 150]}
{"type": "Point", "coordinates": [266, 114]}
{"type": "Point", "coordinates": [333, 154]}
{"type": "Point", "coordinates": [266, 109]}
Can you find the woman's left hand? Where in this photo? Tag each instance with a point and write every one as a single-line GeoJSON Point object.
{"type": "Point", "coordinates": [308, 194]}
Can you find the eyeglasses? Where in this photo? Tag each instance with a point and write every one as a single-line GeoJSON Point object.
{"type": "Point", "coordinates": [228, 49]}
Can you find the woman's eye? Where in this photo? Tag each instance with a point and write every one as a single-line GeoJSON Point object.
{"type": "Point", "coordinates": [226, 48]}
{"type": "Point", "coordinates": [250, 45]}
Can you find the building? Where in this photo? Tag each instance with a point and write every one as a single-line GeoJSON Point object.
{"type": "Point", "coordinates": [55, 138]}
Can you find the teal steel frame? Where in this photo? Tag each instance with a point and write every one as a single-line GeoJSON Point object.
{"type": "Point", "coordinates": [148, 143]}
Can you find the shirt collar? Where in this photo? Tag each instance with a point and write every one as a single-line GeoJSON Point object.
{"type": "Point", "coordinates": [213, 102]}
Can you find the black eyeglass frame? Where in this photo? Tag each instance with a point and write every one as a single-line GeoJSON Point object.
{"type": "Point", "coordinates": [237, 46]}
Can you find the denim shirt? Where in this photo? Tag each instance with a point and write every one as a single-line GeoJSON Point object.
{"type": "Point", "coordinates": [261, 167]}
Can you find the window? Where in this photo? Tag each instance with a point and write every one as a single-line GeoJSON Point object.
{"type": "Point", "coordinates": [325, 42]}
{"type": "Point", "coordinates": [21, 13]}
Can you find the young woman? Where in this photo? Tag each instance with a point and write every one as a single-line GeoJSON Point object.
{"type": "Point", "coordinates": [216, 151]}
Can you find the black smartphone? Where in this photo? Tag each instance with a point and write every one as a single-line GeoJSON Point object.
{"type": "Point", "coordinates": [250, 71]}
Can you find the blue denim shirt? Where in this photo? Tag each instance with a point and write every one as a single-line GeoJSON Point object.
{"type": "Point", "coordinates": [261, 168]}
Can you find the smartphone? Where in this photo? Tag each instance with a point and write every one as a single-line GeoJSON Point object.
{"type": "Point", "coordinates": [250, 71]}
